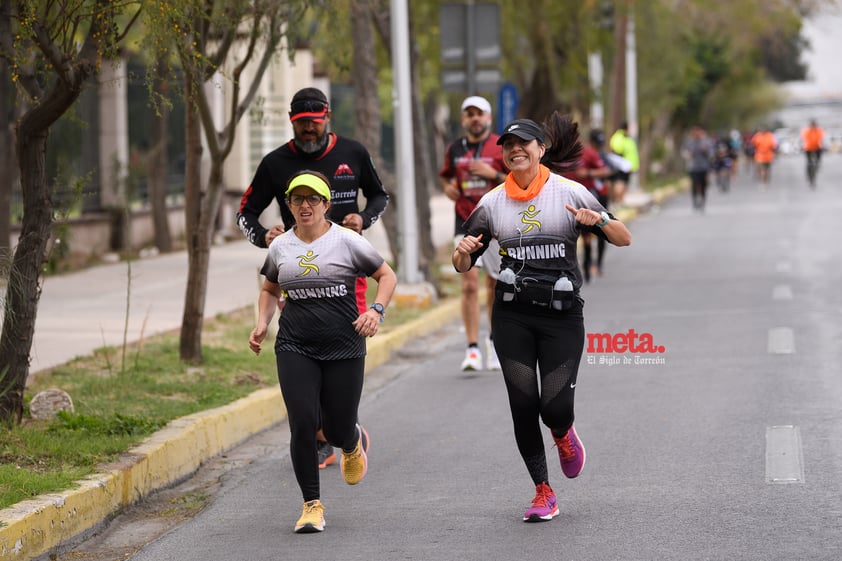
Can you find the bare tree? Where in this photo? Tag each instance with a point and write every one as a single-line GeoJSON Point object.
{"type": "Point", "coordinates": [368, 120]}
{"type": "Point", "coordinates": [215, 39]}
{"type": "Point", "coordinates": [54, 48]}
{"type": "Point", "coordinates": [425, 179]}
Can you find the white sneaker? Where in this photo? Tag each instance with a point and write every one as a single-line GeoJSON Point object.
{"type": "Point", "coordinates": [491, 361]}
{"type": "Point", "coordinates": [473, 359]}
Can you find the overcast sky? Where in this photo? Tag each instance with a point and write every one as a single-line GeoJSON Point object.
{"type": "Point", "coordinates": [824, 74]}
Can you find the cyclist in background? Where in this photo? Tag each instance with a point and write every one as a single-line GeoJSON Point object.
{"type": "Point", "coordinates": [812, 142]}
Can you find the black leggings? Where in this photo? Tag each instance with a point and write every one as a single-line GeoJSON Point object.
{"type": "Point", "coordinates": [319, 394]}
{"type": "Point", "coordinates": [526, 337]}
{"type": "Point", "coordinates": [699, 186]}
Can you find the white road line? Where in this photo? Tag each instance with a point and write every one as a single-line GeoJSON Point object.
{"type": "Point", "coordinates": [781, 341]}
{"type": "Point", "coordinates": [783, 267]}
{"type": "Point", "coordinates": [784, 457]}
{"type": "Point", "coordinates": [782, 292]}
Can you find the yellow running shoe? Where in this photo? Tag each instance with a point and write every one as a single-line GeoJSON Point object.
{"type": "Point", "coordinates": [312, 518]}
{"type": "Point", "coordinates": [355, 464]}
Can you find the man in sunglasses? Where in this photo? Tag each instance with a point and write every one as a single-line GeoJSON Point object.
{"type": "Point", "coordinates": [347, 165]}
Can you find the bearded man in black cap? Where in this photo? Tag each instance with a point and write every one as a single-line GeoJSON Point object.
{"type": "Point", "coordinates": [347, 165]}
{"type": "Point", "coordinates": [345, 162]}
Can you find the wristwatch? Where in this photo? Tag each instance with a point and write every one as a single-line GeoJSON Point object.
{"type": "Point", "coordinates": [378, 307]}
{"type": "Point", "coordinates": [605, 219]}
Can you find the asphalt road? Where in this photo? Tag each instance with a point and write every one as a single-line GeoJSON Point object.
{"type": "Point", "coordinates": [727, 445]}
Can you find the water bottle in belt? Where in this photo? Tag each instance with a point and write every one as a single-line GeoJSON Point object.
{"type": "Point", "coordinates": [562, 292]}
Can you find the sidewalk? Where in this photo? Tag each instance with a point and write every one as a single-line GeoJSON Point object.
{"type": "Point", "coordinates": [82, 311]}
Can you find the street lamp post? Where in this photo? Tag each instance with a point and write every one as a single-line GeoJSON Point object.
{"type": "Point", "coordinates": [404, 162]}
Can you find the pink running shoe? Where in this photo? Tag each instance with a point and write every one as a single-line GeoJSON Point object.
{"type": "Point", "coordinates": [544, 506]}
{"type": "Point", "coordinates": [571, 452]}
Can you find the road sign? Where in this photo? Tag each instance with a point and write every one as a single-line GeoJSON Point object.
{"type": "Point", "coordinates": [470, 46]}
{"type": "Point", "coordinates": [507, 102]}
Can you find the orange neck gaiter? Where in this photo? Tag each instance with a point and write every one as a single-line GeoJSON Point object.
{"type": "Point", "coordinates": [516, 192]}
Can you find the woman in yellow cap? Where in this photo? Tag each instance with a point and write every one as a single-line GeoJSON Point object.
{"type": "Point", "coordinates": [320, 347]}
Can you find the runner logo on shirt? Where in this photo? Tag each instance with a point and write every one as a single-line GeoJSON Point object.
{"type": "Point", "coordinates": [529, 217]}
{"type": "Point", "coordinates": [305, 263]}
{"type": "Point", "coordinates": [343, 171]}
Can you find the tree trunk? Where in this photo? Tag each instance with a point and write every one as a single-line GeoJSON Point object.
{"type": "Point", "coordinates": [194, 297]}
{"type": "Point", "coordinates": [657, 130]}
{"type": "Point", "coordinates": [425, 181]}
{"type": "Point", "coordinates": [24, 288]}
{"type": "Point", "coordinates": [190, 345]}
{"type": "Point", "coordinates": [368, 121]}
{"type": "Point", "coordinates": [157, 164]}
{"type": "Point", "coordinates": [198, 265]}
{"type": "Point", "coordinates": [364, 79]}
{"type": "Point", "coordinates": [378, 14]}
{"type": "Point", "coordinates": [8, 169]}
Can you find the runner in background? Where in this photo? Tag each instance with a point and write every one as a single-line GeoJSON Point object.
{"type": "Point", "coordinates": [812, 143]}
{"type": "Point", "coordinates": [623, 145]}
{"type": "Point", "coordinates": [594, 174]}
{"type": "Point", "coordinates": [765, 147]}
{"type": "Point", "coordinates": [473, 165]}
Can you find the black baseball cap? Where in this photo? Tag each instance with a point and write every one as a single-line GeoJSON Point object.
{"type": "Point", "coordinates": [308, 103]}
{"type": "Point", "coordinates": [525, 129]}
{"type": "Point", "coordinates": [597, 137]}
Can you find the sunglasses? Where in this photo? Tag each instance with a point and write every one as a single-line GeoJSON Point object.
{"type": "Point", "coordinates": [308, 106]}
{"type": "Point", "coordinates": [312, 200]}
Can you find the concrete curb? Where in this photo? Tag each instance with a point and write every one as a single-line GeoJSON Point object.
{"type": "Point", "coordinates": [36, 527]}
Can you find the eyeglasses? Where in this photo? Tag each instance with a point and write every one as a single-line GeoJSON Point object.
{"type": "Point", "coordinates": [312, 200]}
{"type": "Point", "coordinates": [308, 106]}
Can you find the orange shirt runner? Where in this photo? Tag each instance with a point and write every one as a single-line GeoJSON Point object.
{"type": "Point", "coordinates": [812, 138]}
{"type": "Point", "coordinates": [765, 144]}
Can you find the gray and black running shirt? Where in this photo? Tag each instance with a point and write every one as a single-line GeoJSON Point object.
{"type": "Point", "coordinates": [538, 236]}
{"type": "Point", "coordinates": [318, 281]}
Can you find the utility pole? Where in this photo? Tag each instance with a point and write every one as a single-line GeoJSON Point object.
{"type": "Point", "coordinates": [404, 162]}
{"type": "Point", "coordinates": [597, 111]}
{"type": "Point", "coordinates": [631, 88]}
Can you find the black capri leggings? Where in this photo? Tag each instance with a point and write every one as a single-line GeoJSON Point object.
{"type": "Point", "coordinates": [525, 336]}
{"type": "Point", "coordinates": [319, 394]}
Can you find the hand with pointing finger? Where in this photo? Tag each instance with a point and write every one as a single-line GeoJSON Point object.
{"type": "Point", "coordinates": [585, 216]}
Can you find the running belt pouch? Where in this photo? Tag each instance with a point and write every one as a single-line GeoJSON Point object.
{"type": "Point", "coordinates": [534, 293]}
